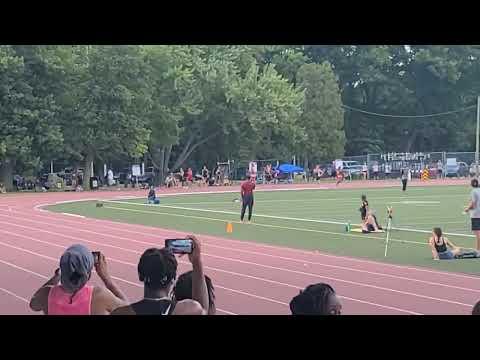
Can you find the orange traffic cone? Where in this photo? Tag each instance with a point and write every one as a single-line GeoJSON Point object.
{"type": "Point", "coordinates": [229, 228]}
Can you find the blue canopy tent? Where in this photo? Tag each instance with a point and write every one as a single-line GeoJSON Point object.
{"type": "Point", "coordinates": [289, 169]}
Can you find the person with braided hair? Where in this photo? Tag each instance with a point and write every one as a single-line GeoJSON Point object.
{"type": "Point", "coordinates": [157, 269]}
{"type": "Point", "coordinates": [316, 299]}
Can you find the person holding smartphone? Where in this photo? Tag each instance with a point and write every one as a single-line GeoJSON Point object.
{"type": "Point", "coordinates": [68, 291]}
{"type": "Point", "coordinates": [157, 269]}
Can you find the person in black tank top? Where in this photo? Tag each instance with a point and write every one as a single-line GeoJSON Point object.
{"type": "Point", "coordinates": [157, 269]}
{"type": "Point", "coordinates": [364, 207]}
{"type": "Point", "coordinates": [162, 306]}
{"type": "Point", "coordinates": [442, 248]}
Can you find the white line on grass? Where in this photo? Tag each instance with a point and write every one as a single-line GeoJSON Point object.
{"type": "Point", "coordinates": [273, 217]}
{"type": "Point", "coordinates": [260, 224]}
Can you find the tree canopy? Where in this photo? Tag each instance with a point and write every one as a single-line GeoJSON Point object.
{"type": "Point", "coordinates": [186, 105]}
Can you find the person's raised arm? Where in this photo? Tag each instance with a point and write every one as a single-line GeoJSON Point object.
{"type": "Point", "coordinates": [199, 286]}
{"type": "Point", "coordinates": [39, 301]}
{"type": "Point", "coordinates": [102, 271]}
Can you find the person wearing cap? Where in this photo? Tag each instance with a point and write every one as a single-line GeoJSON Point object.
{"type": "Point", "coordinates": [68, 291]}
{"type": "Point", "coordinates": [157, 269]}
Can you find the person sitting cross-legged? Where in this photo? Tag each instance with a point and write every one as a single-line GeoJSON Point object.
{"type": "Point", "coordinates": [157, 269]}
{"type": "Point", "coordinates": [152, 197]}
{"type": "Point", "coordinates": [68, 291]}
{"type": "Point", "coordinates": [370, 223]}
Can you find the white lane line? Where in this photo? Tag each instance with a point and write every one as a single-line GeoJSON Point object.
{"type": "Point", "coordinates": [278, 248]}
{"type": "Point", "coordinates": [302, 261]}
{"type": "Point", "coordinates": [74, 215]}
{"type": "Point", "coordinates": [331, 222]}
{"type": "Point", "coordinates": [273, 268]}
{"type": "Point", "coordinates": [288, 259]}
{"type": "Point", "coordinates": [182, 262]}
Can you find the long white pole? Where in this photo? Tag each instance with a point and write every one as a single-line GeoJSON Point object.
{"type": "Point", "coordinates": [388, 235]}
{"type": "Point", "coordinates": [478, 135]}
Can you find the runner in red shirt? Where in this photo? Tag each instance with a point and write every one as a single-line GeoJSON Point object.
{"type": "Point", "coordinates": [247, 197]}
{"type": "Point", "coordinates": [190, 175]}
{"type": "Point", "coordinates": [340, 176]}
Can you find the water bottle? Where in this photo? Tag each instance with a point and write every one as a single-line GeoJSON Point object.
{"type": "Point", "coordinates": [347, 227]}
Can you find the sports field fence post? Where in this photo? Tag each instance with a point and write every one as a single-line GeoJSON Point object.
{"type": "Point", "coordinates": [476, 138]}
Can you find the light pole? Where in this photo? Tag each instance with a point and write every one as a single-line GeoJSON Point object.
{"type": "Point", "coordinates": [478, 134]}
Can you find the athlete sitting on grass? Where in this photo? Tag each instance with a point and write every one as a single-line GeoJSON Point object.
{"type": "Point", "coordinates": [152, 197]}
{"type": "Point", "coordinates": [440, 248]}
{"type": "Point", "coordinates": [370, 223]}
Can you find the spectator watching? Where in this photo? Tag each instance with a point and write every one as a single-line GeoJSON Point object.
{"type": "Point", "coordinates": [157, 269]}
{"type": "Point", "coordinates": [476, 309]}
{"type": "Point", "coordinates": [316, 299]}
{"type": "Point", "coordinates": [68, 291]}
{"type": "Point", "coordinates": [184, 290]}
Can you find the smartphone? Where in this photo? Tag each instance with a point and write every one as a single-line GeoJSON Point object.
{"type": "Point", "coordinates": [96, 256]}
{"type": "Point", "coordinates": [179, 246]}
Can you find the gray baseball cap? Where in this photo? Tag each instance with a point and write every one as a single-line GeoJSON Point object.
{"type": "Point", "coordinates": [76, 264]}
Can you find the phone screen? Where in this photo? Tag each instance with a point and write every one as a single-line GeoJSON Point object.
{"type": "Point", "coordinates": [179, 246]}
{"type": "Point", "coordinates": [96, 256]}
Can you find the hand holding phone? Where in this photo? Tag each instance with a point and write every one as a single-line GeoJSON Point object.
{"type": "Point", "coordinates": [96, 257]}
{"type": "Point", "coordinates": [179, 246]}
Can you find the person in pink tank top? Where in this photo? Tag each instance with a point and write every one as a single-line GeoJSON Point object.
{"type": "Point", "coordinates": [68, 291]}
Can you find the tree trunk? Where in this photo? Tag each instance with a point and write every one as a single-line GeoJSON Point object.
{"type": "Point", "coordinates": [160, 158]}
{"type": "Point", "coordinates": [6, 173]}
{"type": "Point", "coordinates": [187, 150]}
{"type": "Point", "coordinates": [88, 170]}
{"type": "Point", "coordinates": [161, 168]}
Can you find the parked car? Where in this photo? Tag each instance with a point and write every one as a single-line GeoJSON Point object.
{"type": "Point", "coordinates": [451, 169]}
{"type": "Point", "coordinates": [456, 168]}
{"type": "Point", "coordinates": [148, 176]}
{"type": "Point", "coordinates": [352, 168]}
{"type": "Point", "coordinates": [473, 169]}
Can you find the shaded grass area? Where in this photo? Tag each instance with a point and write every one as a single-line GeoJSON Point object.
{"type": "Point", "coordinates": [294, 219]}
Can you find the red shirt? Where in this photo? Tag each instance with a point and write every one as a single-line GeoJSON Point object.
{"type": "Point", "coordinates": [247, 187]}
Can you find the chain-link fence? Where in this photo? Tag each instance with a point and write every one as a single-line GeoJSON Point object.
{"type": "Point", "coordinates": [385, 165]}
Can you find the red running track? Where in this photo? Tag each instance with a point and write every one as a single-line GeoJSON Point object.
{"type": "Point", "coordinates": [249, 278]}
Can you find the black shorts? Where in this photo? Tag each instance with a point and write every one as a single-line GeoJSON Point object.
{"type": "Point", "coordinates": [475, 224]}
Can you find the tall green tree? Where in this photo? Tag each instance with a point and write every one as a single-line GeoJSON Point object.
{"type": "Point", "coordinates": [29, 126]}
{"type": "Point", "coordinates": [109, 98]}
{"type": "Point", "coordinates": [322, 116]}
